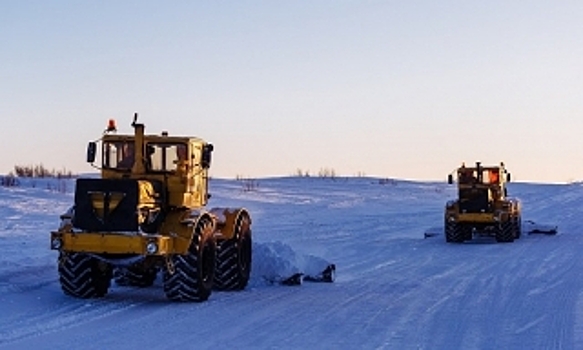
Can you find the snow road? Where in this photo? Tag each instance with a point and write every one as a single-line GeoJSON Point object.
{"type": "Point", "coordinates": [394, 289]}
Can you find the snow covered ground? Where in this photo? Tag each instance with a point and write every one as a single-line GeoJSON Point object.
{"type": "Point", "coordinates": [394, 289]}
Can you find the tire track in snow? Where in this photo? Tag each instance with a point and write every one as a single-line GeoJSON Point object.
{"type": "Point", "coordinates": [67, 314]}
{"type": "Point", "coordinates": [578, 328]}
{"type": "Point", "coordinates": [10, 280]}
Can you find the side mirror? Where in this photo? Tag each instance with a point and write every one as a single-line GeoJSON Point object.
{"type": "Point", "coordinates": [207, 151]}
{"type": "Point", "coordinates": [91, 151]}
{"type": "Point", "coordinates": [450, 179]}
{"type": "Point", "coordinates": [508, 177]}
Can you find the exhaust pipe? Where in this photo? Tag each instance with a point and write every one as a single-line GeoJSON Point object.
{"type": "Point", "coordinates": [139, 167]}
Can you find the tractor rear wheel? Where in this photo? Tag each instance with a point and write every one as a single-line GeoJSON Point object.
{"type": "Point", "coordinates": [505, 232]}
{"type": "Point", "coordinates": [517, 226]}
{"type": "Point", "coordinates": [234, 256]}
{"type": "Point", "coordinates": [191, 279]}
{"type": "Point", "coordinates": [453, 232]}
{"type": "Point", "coordinates": [83, 276]}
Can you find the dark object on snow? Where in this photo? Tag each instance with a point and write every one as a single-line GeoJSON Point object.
{"type": "Point", "coordinates": [327, 275]}
{"type": "Point", "coordinates": [433, 231]}
{"type": "Point", "coordinates": [552, 231]}
{"type": "Point", "coordinates": [528, 226]}
{"type": "Point", "coordinates": [538, 228]}
{"type": "Point", "coordinates": [293, 280]}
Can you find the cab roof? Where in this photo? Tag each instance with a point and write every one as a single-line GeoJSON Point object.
{"type": "Point", "coordinates": [153, 138]}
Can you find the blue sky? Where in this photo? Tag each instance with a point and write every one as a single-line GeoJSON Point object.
{"type": "Point", "coordinates": [406, 89]}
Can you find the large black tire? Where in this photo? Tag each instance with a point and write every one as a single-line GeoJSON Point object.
{"type": "Point", "coordinates": [234, 257]}
{"type": "Point", "coordinates": [193, 273]}
{"type": "Point", "coordinates": [83, 276]}
{"type": "Point", "coordinates": [136, 277]}
{"type": "Point", "coordinates": [517, 226]}
{"type": "Point", "coordinates": [505, 232]}
{"type": "Point", "coordinates": [453, 232]}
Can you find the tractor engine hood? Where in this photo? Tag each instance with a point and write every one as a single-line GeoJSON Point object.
{"type": "Point", "coordinates": [114, 205]}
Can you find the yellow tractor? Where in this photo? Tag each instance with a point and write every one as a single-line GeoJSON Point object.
{"type": "Point", "coordinates": [146, 215]}
{"type": "Point", "coordinates": [482, 207]}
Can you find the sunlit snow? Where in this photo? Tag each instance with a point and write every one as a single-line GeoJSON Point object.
{"type": "Point", "coordinates": [394, 289]}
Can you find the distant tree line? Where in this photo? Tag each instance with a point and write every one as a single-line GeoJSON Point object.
{"type": "Point", "coordinates": [41, 171]}
{"type": "Point", "coordinates": [33, 171]}
{"type": "Point", "coordinates": [323, 173]}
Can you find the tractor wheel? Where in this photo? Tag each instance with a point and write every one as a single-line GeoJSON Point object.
{"type": "Point", "coordinates": [135, 277]}
{"type": "Point", "coordinates": [505, 232]}
{"type": "Point", "coordinates": [517, 226]}
{"type": "Point", "coordinates": [453, 232]}
{"type": "Point", "coordinates": [233, 264]}
{"type": "Point", "coordinates": [83, 276]}
{"type": "Point", "coordinates": [191, 279]}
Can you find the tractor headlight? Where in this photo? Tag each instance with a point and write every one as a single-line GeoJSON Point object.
{"type": "Point", "coordinates": [152, 248]}
{"type": "Point", "coordinates": [56, 243]}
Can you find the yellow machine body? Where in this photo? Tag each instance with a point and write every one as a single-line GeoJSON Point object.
{"type": "Point", "coordinates": [171, 176]}
{"type": "Point", "coordinates": [482, 206]}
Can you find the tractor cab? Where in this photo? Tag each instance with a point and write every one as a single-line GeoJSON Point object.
{"type": "Point", "coordinates": [482, 206]}
{"type": "Point", "coordinates": [177, 164]}
{"type": "Point", "coordinates": [480, 186]}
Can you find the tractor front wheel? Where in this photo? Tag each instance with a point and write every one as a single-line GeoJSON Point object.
{"type": "Point", "coordinates": [191, 278]}
{"type": "Point", "coordinates": [83, 276]}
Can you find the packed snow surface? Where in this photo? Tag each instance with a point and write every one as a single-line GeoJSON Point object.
{"type": "Point", "coordinates": [394, 289]}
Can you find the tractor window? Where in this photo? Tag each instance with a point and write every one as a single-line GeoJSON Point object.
{"type": "Point", "coordinates": [492, 176]}
{"type": "Point", "coordinates": [467, 176]}
{"type": "Point", "coordinates": [165, 156]}
{"type": "Point", "coordinates": [118, 155]}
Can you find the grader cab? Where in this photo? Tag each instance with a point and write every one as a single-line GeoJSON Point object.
{"type": "Point", "coordinates": [146, 215]}
{"type": "Point", "coordinates": [482, 207]}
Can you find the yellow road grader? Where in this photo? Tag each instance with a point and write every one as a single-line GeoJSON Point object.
{"type": "Point", "coordinates": [482, 207]}
{"type": "Point", "coordinates": [146, 215]}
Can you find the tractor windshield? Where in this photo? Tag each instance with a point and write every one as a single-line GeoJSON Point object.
{"type": "Point", "coordinates": [165, 156]}
{"type": "Point", "coordinates": [118, 155]}
{"type": "Point", "coordinates": [467, 176]}
{"type": "Point", "coordinates": [491, 176]}
{"type": "Point", "coordinates": [471, 176]}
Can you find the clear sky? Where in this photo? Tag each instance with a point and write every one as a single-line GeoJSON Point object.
{"type": "Point", "coordinates": [405, 89]}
